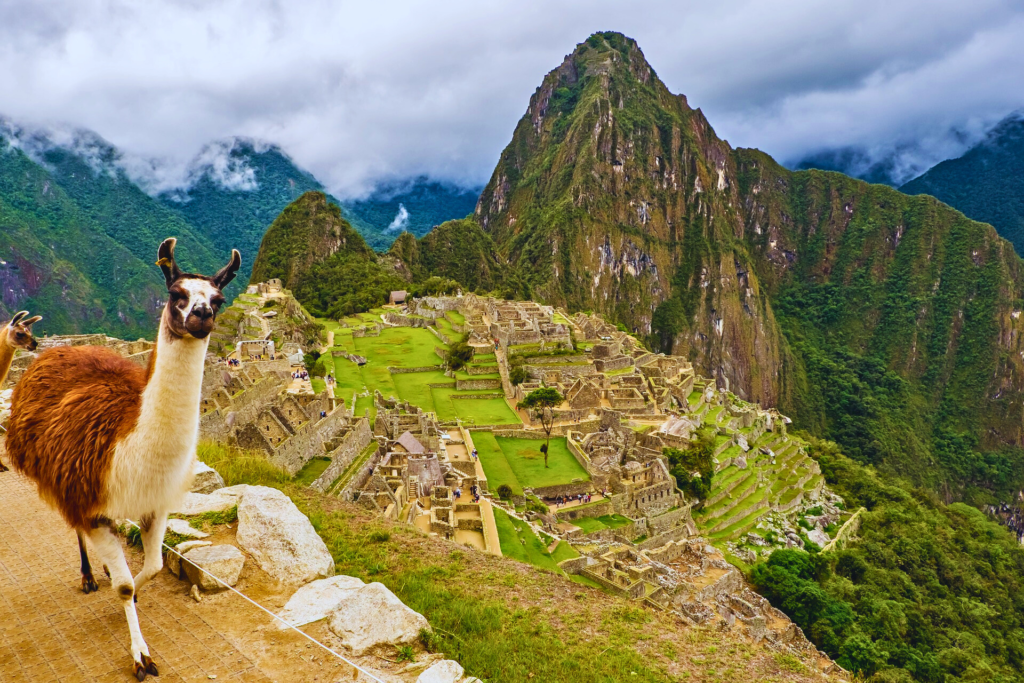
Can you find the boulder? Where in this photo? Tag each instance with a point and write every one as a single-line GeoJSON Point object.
{"type": "Point", "coordinates": [373, 615]}
{"type": "Point", "coordinates": [205, 479]}
{"type": "Point", "coordinates": [818, 537]}
{"type": "Point", "coordinates": [445, 671]}
{"type": "Point", "coordinates": [173, 560]}
{"type": "Point", "coordinates": [223, 561]}
{"type": "Point", "coordinates": [183, 528]}
{"type": "Point", "coordinates": [315, 601]}
{"type": "Point", "coordinates": [198, 503]}
{"type": "Point", "coordinates": [280, 538]}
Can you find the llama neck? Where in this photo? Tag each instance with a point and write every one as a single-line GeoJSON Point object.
{"type": "Point", "coordinates": [6, 356]}
{"type": "Point", "coordinates": [170, 401]}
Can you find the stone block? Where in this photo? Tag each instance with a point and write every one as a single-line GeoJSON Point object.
{"type": "Point", "coordinates": [223, 561]}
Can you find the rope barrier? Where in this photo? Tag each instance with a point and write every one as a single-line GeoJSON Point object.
{"type": "Point", "coordinates": [253, 602]}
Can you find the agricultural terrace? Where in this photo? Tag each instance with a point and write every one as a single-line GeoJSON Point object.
{"type": "Point", "coordinates": [430, 389]}
{"type": "Point", "coordinates": [519, 462]}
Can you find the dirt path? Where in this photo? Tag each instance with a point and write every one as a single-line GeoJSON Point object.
{"type": "Point", "coordinates": [51, 631]}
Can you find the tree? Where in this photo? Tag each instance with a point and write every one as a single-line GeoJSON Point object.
{"type": "Point", "coordinates": [459, 354]}
{"type": "Point", "coordinates": [309, 360]}
{"type": "Point", "coordinates": [545, 399]}
{"type": "Point", "coordinates": [694, 467]}
{"type": "Point", "coordinates": [505, 492]}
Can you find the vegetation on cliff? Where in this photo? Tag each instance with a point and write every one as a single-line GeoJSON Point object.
{"type": "Point", "coordinates": [929, 592]}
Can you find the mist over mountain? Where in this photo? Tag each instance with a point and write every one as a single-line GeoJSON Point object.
{"type": "Point", "coordinates": [986, 182]}
{"type": "Point", "coordinates": [414, 206]}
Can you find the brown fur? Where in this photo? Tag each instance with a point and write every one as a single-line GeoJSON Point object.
{"type": "Point", "coordinates": [70, 459]}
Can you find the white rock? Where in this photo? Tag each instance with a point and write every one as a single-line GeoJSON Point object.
{"type": "Point", "coordinates": [183, 528]}
{"type": "Point", "coordinates": [173, 560]}
{"type": "Point", "coordinates": [818, 537]}
{"type": "Point", "coordinates": [315, 601]}
{"type": "Point", "coordinates": [205, 478]}
{"type": "Point", "coordinates": [223, 561]}
{"type": "Point", "coordinates": [373, 615]}
{"type": "Point", "coordinates": [198, 503]}
{"type": "Point", "coordinates": [280, 538]}
{"type": "Point", "coordinates": [445, 671]}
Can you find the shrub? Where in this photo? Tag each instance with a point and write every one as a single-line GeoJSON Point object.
{"type": "Point", "coordinates": [505, 492]}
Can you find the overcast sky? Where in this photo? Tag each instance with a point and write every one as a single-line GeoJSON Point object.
{"type": "Point", "coordinates": [360, 91]}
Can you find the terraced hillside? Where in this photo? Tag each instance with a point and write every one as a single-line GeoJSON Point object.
{"type": "Point", "coordinates": [776, 475]}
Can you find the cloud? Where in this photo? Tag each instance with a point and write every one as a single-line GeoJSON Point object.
{"type": "Point", "coordinates": [356, 92]}
{"type": "Point", "coordinates": [401, 220]}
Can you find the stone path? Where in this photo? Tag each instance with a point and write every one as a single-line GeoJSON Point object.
{"type": "Point", "coordinates": [51, 631]}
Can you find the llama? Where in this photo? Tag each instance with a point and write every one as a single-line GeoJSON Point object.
{"type": "Point", "coordinates": [105, 439]}
{"type": "Point", "coordinates": [15, 335]}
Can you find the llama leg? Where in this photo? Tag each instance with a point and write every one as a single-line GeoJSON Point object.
{"type": "Point", "coordinates": [109, 550]}
{"type": "Point", "coordinates": [88, 582]}
{"type": "Point", "coordinates": [152, 527]}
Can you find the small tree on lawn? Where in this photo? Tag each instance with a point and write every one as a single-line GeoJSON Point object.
{"type": "Point", "coordinates": [544, 399]}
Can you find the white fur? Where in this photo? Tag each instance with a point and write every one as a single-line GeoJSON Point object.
{"type": "Point", "coordinates": [152, 466]}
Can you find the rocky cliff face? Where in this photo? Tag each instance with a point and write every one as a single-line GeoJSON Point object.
{"type": "Point", "coordinates": [887, 322]}
{"type": "Point", "coordinates": [613, 194]}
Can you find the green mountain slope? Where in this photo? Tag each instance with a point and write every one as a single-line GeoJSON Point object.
{"type": "Point", "coordinates": [888, 323]}
{"type": "Point", "coordinates": [458, 250]}
{"type": "Point", "coordinates": [323, 260]}
{"type": "Point", "coordinates": [58, 259]}
{"type": "Point", "coordinates": [986, 183]}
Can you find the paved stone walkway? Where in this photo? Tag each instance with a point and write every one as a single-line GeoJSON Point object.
{"type": "Point", "coordinates": [51, 631]}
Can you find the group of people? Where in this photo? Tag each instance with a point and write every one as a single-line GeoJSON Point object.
{"type": "Point", "coordinates": [300, 374]}
{"type": "Point", "coordinates": [262, 356]}
{"type": "Point", "coordinates": [582, 498]}
{"type": "Point", "coordinates": [474, 492]}
{"type": "Point", "coordinates": [233, 362]}
{"type": "Point", "coordinates": [474, 454]}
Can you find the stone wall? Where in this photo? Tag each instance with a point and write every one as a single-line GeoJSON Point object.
{"type": "Point", "coordinates": [470, 384]}
{"type": "Point", "coordinates": [308, 441]}
{"type": "Point", "coordinates": [598, 509]}
{"type": "Point", "coordinates": [669, 520]}
{"type": "Point", "coordinates": [611, 364]}
{"type": "Point", "coordinates": [353, 443]}
{"type": "Point", "coordinates": [679, 533]}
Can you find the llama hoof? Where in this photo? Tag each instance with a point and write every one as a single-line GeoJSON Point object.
{"type": "Point", "coordinates": [89, 584]}
{"type": "Point", "coordinates": [150, 665]}
{"type": "Point", "coordinates": [140, 672]}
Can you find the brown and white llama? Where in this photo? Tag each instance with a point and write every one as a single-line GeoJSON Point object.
{"type": "Point", "coordinates": [105, 439]}
{"type": "Point", "coordinates": [15, 335]}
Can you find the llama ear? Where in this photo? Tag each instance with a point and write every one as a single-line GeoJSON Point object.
{"type": "Point", "coordinates": [165, 259]}
{"type": "Point", "coordinates": [227, 273]}
{"type": "Point", "coordinates": [17, 317]}
{"type": "Point", "coordinates": [31, 321]}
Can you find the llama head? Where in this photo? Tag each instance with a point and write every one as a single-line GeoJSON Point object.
{"type": "Point", "coordinates": [18, 332]}
{"type": "Point", "coordinates": [194, 299]}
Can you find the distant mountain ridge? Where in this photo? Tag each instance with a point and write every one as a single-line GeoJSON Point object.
{"type": "Point", "coordinates": [234, 189]}
{"type": "Point", "coordinates": [986, 183]}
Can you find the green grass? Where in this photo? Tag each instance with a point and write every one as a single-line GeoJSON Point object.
{"type": "Point", "coordinates": [520, 543]}
{"type": "Point", "coordinates": [241, 467]}
{"type": "Point", "coordinates": [400, 347]}
{"type": "Point", "coordinates": [526, 462]}
{"type": "Point", "coordinates": [456, 317]}
{"type": "Point", "coordinates": [312, 470]}
{"type": "Point", "coordinates": [591, 524]}
{"type": "Point", "coordinates": [485, 411]}
{"type": "Point", "coordinates": [318, 384]}
{"type": "Point", "coordinates": [496, 467]}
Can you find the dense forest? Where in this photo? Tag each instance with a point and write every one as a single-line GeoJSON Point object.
{"type": "Point", "coordinates": [928, 592]}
